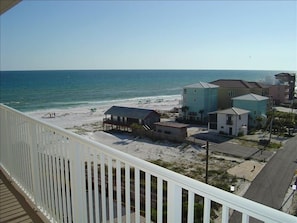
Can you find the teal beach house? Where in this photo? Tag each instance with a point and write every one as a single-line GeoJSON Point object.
{"type": "Point", "coordinates": [256, 104]}
{"type": "Point", "coordinates": [198, 100]}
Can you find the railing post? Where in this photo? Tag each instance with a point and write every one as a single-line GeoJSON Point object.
{"type": "Point", "coordinates": [78, 181]}
{"type": "Point", "coordinates": [34, 164]}
{"type": "Point", "coordinates": [174, 203]}
{"type": "Point", "coordinates": [225, 214]}
{"type": "Point", "coordinates": [206, 208]}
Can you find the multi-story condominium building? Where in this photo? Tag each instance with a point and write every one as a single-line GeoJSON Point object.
{"type": "Point", "coordinates": [256, 104]}
{"type": "Point", "coordinates": [229, 89]}
{"type": "Point", "coordinates": [279, 94]}
{"type": "Point", "coordinates": [289, 80]}
{"type": "Point", "coordinates": [198, 100]}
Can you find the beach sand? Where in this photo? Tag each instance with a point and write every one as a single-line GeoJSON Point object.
{"type": "Point", "coordinates": [77, 116]}
{"type": "Point", "coordinates": [188, 156]}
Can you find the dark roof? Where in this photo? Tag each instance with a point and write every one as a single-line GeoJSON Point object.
{"type": "Point", "coordinates": [255, 84]}
{"type": "Point", "coordinates": [137, 113]}
{"type": "Point", "coordinates": [285, 75]}
{"type": "Point", "coordinates": [229, 83]}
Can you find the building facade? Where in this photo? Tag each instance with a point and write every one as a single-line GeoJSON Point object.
{"type": "Point", "coordinates": [198, 100]}
{"type": "Point", "coordinates": [232, 121]}
{"type": "Point", "coordinates": [229, 89]}
{"type": "Point", "coordinates": [256, 104]}
{"type": "Point", "coordinates": [288, 79]}
{"type": "Point", "coordinates": [171, 131]}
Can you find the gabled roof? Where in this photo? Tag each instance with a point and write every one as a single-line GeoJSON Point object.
{"type": "Point", "coordinates": [251, 97]}
{"type": "Point", "coordinates": [136, 113]}
{"type": "Point", "coordinates": [233, 111]}
{"type": "Point", "coordinates": [255, 84]}
{"type": "Point", "coordinates": [230, 83]}
{"type": "Point", "coordinates": [233, 83]}
{"type": "Point", "coordinates": [201, 85]}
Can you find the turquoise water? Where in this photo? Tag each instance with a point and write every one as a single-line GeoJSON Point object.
{"type": "Point", "coordinates": [36, 90]}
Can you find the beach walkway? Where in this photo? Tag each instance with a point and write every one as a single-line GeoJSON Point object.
{"type": "Point", "coordinates": [13, 206]}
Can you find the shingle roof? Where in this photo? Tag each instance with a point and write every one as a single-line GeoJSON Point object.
{"type": "Point", "coordinates": [257, 84]}
{"type": "Point", "coordinates": [201, 85]}
{"type": "Point", "coordinates": [137, 113]}
{"type": "Point", "coordinates": [233, 111]}
{"type": "Point", "coordinates": [251, 97]}
{"type": "Point", "coordinates": [231, 83]}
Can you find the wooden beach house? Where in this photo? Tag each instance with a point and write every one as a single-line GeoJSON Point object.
{"type": "Point", "coordinates": [119, 117]}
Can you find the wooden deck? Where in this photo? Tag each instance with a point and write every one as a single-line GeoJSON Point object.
{"type": "Point", "coordinates": [13, 206]}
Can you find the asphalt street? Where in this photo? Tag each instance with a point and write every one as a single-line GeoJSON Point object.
{"type": "Point", "coordinates": [272, 183]}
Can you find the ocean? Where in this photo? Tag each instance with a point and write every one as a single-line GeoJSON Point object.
{"type": "Point", "coordinates": [38, 90]}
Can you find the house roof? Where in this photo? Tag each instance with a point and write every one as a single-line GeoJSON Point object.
{"type": "Point", "coordinates": [202, 85]}
{"type": "Point", "coordinates": [285, 75]}
{"type": "Point", "coordinates": [255, 84]}
{"type": "Point", "coordinates": [137, 113]}
{"type": "Point", "coordinates": [172, 124]}
{"type": "Point", "coordinates": [251, 97]}
{"type": "Point", "coordinates": [233, 111]}
{"type": "Point", "coordinates": [233, 83]}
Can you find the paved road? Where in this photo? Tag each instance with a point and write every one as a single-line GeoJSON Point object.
{"type": "Point", "coordinates": [271, 184]}
{"type": "Point", "coordinates": [241, 151]}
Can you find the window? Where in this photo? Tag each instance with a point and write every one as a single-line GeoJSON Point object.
{"type": "Point", "coordinates": [167, 132]}
{"type": "Point", "coordinates": [185, 91]}
{"type": "Point", "coordinates": [239, 117]}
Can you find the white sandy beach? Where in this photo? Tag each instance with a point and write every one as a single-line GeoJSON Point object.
{"type": "Point", "coordinates": [77, 116]}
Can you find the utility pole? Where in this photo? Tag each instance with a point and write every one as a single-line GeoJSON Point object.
{"type": "Point", "coordinates": [270, 128]}
{"type": "Point", "coordinates": [206, 167]}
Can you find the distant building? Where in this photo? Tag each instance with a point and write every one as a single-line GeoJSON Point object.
{"type": "Point", "coordinates": [198, 100]}
{"type": "Point", "coordinates": [256, 104]}
{"type": "Point", "coordinates": [229, 89]}
{"type": "Point", "coordinates": [279, 94]}
{"type": "Point", "coordinates": [171, 131]}
{"type": "Point", "coordinates": [288, 79]}
{"type": "Point", "coordinates": [231, 121]}
{"type": "Point", "coordinates": [121, 117]}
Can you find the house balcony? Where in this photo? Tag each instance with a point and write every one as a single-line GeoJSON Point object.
{"type": "Point", "coordinates": [68, 178]}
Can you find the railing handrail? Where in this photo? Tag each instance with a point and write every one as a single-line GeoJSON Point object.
{"type": "Point", "coordinates": [235, 202]}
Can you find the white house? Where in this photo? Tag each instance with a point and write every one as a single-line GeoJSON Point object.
{"type": "Point", "coordinates": [231, 121]}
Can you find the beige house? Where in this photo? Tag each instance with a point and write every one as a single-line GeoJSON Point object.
{"type": "Point", "coordinates": [171, 130]}
{"type": "Point", "coordinates": [229, 89]}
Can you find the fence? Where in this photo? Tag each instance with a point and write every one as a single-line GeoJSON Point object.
{"type": "Point", "coordinates": [71, 179]}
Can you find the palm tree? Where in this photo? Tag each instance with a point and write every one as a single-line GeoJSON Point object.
{"type": "Point", "coordinates": [184, 110]}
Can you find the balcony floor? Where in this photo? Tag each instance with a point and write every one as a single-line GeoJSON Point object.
{"type": "Point", "coordinates": [13, 206]}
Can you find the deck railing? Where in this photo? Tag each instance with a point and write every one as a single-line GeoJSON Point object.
{"type": "Point", "coordinates": [71, 179]}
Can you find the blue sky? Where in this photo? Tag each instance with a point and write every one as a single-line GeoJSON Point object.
{"type": "Point", "coordinates": [259, 35]}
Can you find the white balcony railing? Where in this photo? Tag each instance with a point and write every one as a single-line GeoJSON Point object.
{"type": "Point", "coordinates": [71, 179]}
